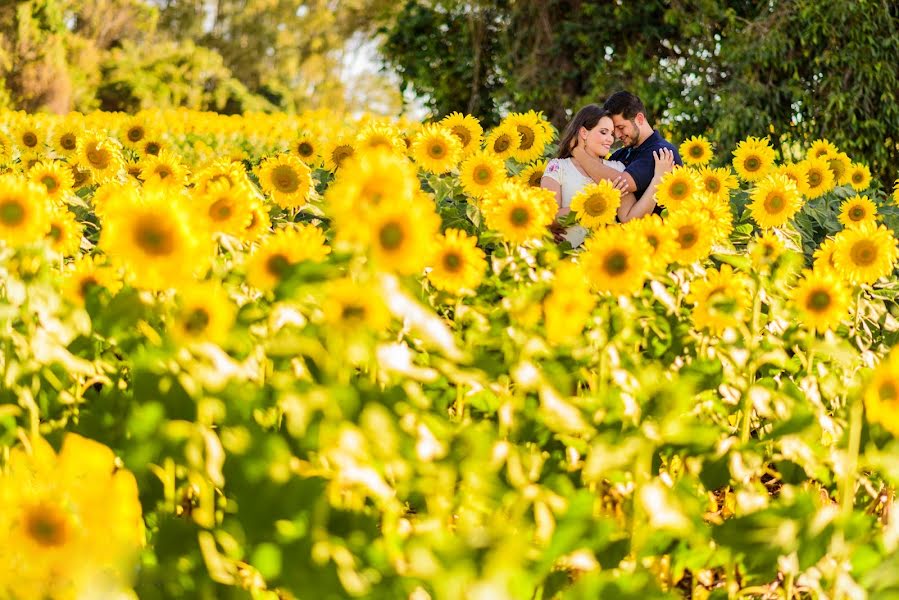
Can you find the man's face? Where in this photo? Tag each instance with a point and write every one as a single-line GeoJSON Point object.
{"type": "Point", "coordinates": [626, 131]}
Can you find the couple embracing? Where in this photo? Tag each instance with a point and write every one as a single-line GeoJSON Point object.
{"type": "Point", "coordinates": [635, 169]}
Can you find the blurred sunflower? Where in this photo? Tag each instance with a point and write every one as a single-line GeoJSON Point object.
{"type": "Point", "coordinates": [720, 300]}
{"type": "Point", "coordinates": [718, 182]}
{"type": "Point", "coordinates": [753, 158]}
{"type": "Point", "coordinates": [696, 151]}
{"type": "Point", "coordinates": [134, 131]}
{"type": "Point", "coordinates": [29, 138]}
{"type": "Point", "coordinates": [567, 308]}
{"type": "Point", "coordinates": [821, 299]}
{"type": "Point", "coordinates": [532, 175]}
{"type": "Point", "coordinates": [336, 151]}
{"type": "Point", "coordinates": [819, 177]}
{"type": "Point", "coordinates": [775, 200]}
{"type": "Point", "coordinates": [24, 211]}
{"type": "Point", "coordinates": [518, 213]}
{"type": "Point", "coordinates": [151, 145]}
{"type": "Point", "coordinates": [765, 250]}
{"type": "Point", "coordinates": [85, 272]}
{"type": "Point", "coordinates": [467, 130]}
{"type": "Point", "coordinates": [596, 205]}
{"type": "Point", "coordinates": [101, 156]}
{"type": "Point", "coordinates": [840, 165]}
{"type": "Point", "coordinates": [54, 176]}
{"type": "Point", "coordinates": [203, 314]}
{"type": "Point", "coordinates": [279, 252]}
{"type": "Point", "coordinates": [458, 264]}
{"type": "Point", "coordinates": [616, 262]}
{"type": "Point", "coordinates": [881, 393]}
{"type": "Point", "coordinates": [821, 148]}
{"type": "Point", "coordinates": [65, 137]}
{"type": "Point", "coordinates": [163, 169]}
{"type": "Point", "coordinates": [306, 148]}
{"type": "Point", "coordinates": [380, 135]}
{"type": "Point", "coordinates": [859, 177]}
{"type": "Point", "coordinates": [824, 256]}
{"type": "Point", "coordinates": [716, 212]}
{"type": "Point", "coordinates": [232, 173]}
{"type": "Point", "coordinates": [6, 149]}
{"type": "Point", "coordinates": [658, 237]}
{"type": "Point", "coordinates": [857, 210]}
{"type": "Point", "coordinates": [481, 173]}
{"type": "Point", "coordinates": [226, 208]}
{"type": "Point", "coordinates": [64, 235]}
{"type": "Point", "coordinates": [797, 173]}
{"type": "Point", "coordinates": [351, 307]}
{"type": "Point", "coordinates": [532, 133]}
{"type": "Point", "coordinates": [436, 149]}
{"type": "Point", "coordinates": [286, 179]}
{"type": "Point", "coordinates": [865, 253]}
{"type": "Point", "coordinates": [400, 236]}
{"type": "Point", "coordinates": [503, 141]}
{"type": "Point", "coordinates": [693, 237]}
{"type": "Point", "coordinates": [260, 221]}
{"type": "Point", "coordinates": [676, 186]}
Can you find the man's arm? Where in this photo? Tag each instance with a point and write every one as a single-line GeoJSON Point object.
{"type": "Point", "coordinates": [598, 171]}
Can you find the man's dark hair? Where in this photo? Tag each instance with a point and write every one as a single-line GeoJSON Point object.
{"type": "Point", "coordinates": [625, 104]}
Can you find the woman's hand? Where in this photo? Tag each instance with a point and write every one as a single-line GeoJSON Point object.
{"type": "Point", "coordinates": [620, 184]}
{"type": "Point", "coordinates": [664, 159]}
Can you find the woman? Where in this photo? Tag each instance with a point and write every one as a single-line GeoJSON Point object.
{"type": "Point", "coordinates": [593, 129]}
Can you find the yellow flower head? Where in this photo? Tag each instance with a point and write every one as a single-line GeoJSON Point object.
{"type": "Point", "coordinates": [380, 135]}
{"type": "Point", "coordinates": [163, 169]}
{"type": "Point", "coordinates": [766, 249]}
{"type": "Point", "coordinates": [882, 394]}
{"type": "Point", "coordinates": [226, 209]}
{"type": "Point", "coordinates": [467, 130]}
{"type": "Point", "coordinates": [568, 306]}
{"type": "Point", "coordinates": [134, 131]}
{"type": "Point", "coordinates": [659, 239]}
{"type": "Point", "coordinates": [533, 135]}
{"type": "Point", "coordinates": [436, 149]}
{"type": "Point", "coordinates": [824, 256]}
{"type": "Point", "coordinates": [797, 173]}
{"type": "Point", "coordinates": [54, 176]}
{"type": "Point", "coordinates": [101, 156]}
{"type": "Point", "coordinates": [819, 177]}
{"type": "Point", "coordinates": [65, 137]}
{"type": "Point", "coordinates": [677, 186]}
{"type": "Point", "coordinates": [821, 299]}
{"type": "Point", "coordinates": [520, 214]}
{"type": "Point", "coordinates": [401, 236]}
{"type": "Point", "coordinates": [6, 149]}
{"type": "Point", "coordinates": [29, 137]}
{"type": "Point", "coordinates": [718, 182]}
{"type": "Point", "coordinates": [86, 272]}
{"type": "Point", "coordinates": [840, 165]}
{"type": "Point", "coordinates": [203, 314]}
{"type": "Point", "coordinates": [616, 262]}
{"type": "Point", "coordinates": [859, 177]}
{"type": "Point", "coordinates": [775, 200]}
{"type": "Point", "coordinates": [693, 237]}
{"type": "Point", "coordinates": [503, 140]}
{"type": "Point", "coordinates": [64, 235]}
{"type": "Point", "coordinates": [306, 148]}
{"type": "Point", "coordinates": [281, 251]}
{"type": "Point", "coordinates": [532, 175]}
{"type": "Point", "coordinates": [753, 158]}
{"type": "Point", "coordinates": [596, 205]}
{"type": "Point", "coordinates": [481, 173]}
{"type": "Point", "coordinates": [351, 307]}
{"type": "Point", "coordinates": [714, 211]}
{"type": "Point", "coordinates": [336, 151]}
{"type": "Point", "coordinates": [820, 148]}
{"type": "Point", "coordinates": [857, 210]}
{"type": "Point", "coordinates": [24, 211]}
{"type": "Point", "coordinates": [286, 179]}
{"type": "Point", "coordinates": [696, 151]}
{"type": "Point", "coordinates": [458, 264]}
{"type": "Point", "coordinates": [865, 253]}
{"type": "Point", "coordinates": [231, 173]}
{"type": "Point", "coordinates": [721, 300]}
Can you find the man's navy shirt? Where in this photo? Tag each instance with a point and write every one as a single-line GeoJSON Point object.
{"type": "Point", "coordinates": [640, 164]}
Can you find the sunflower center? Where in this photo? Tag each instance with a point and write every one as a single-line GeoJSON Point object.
{"type": "Point", "coordinates": [47, 525]}
{"type": "Point", "coordinates": [712, 185]}
{"type": "Point", "coordinates": [857, 213]}
{"type": "Point", "coordinates": [463, 134]}
{"type": "Point", "coordinates": [152, 148]}
{"type": "Point", "coordinates": [50, 183]}
{"type": "Point", "coordinates": [80, 177]}
{"type": "Point", "coordinates": [452, 261]}
{"type": "Point", "coordinates": [391, 236]}
{"type": "Point", "coordinates": [341, 153]}
{"type": "Point", "coordinates": [836, 166]}
{"type": "Point", "coordinates": [596, 205]}
{"type": "Point", "coordinates": [285, 179]}
{"type": "Point", "coordinates": [352, 312]}
{"type": "Point", "coordinates": [534, 179]}
{"type": "Point", "coordinates": [68, 141]}
{"type": "Point", "coordinates": [696, 151]}
{"type": "Point", "coordinates": [154, 238]}
{"type": "Point", "coordinates": [221, 210]}
{"type": "Point", "coordinates": [135, 134]}
{"type": "Point", "coordinates": [437, 150]}
{"type": "Point", "coordinates": [679, 189]}
{"type": "Point", "coordinates": [501, 144]}
{"type": "Point", "coordinates": [752, 163]}
{"type": "Point", "coordinates": [197, 321]}
{"type": "Point", "coordinates": [818, 301]}
{"type": "Point", "coordinates": [162, 172]}
{"type": "Point", "coordinates": [527, 137]}
{"type": "Point", "coordinates": [775, 202]}
{"type": "Point", "coordinates": [305, 149]}
{"type": "Point", "coordinates": [863, 253]}
{"type": "Point", "coordinates": [277, 265]}
{"type": "Point", "coordinates": [887, 391]}
{"type": "Point", "coordinates": [520, 216]}
{"type": "Point", "coordinates": [98, 157]}
{"type": "Point", "coordinates": [12, 213]}
{"type": "Point", "coordinates": [616, 263]}
{"type": "Point", "coordinates": [814, 178]}
{"type": "Point", "coordinates": [687, 237]}
{"type": "Point", "coordinates": [653, 240]}
{"type": "Point", "coordinates": [29, 139]}
{"type": "Point", "coordinates": [483, 174]}
{"type": "Point", "coordinates": [86, 284]}
{"type": "Point", "coordinates": [55, 232]}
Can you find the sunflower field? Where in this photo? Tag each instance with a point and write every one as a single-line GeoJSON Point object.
{"type": "Point", "coordinates": [271, 356]}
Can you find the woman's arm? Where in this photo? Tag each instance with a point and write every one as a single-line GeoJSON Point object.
{"type": "Point", "coordinates": [554, 186]}
{"type": "Point", "coordinates": [631, 208]}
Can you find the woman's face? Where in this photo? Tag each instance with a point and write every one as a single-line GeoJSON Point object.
{"type": "Point", "coordinates": [599, 140]}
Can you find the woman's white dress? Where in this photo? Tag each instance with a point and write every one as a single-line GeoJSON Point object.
{"type": "Point", "coordinates": [571, 180]}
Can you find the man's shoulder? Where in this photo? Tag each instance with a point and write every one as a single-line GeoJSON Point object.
{"type": "Point", "coordinates": [619, 154]}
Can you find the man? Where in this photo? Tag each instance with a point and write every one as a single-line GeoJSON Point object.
{"type": "Point", "coordinates": [639, 141]}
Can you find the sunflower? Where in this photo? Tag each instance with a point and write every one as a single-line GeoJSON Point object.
{"type": "Point", "coordinates": [518, 213]}
{"type": "Point", "coordinates": [797, 173]}
{"type": "Point", "coordinates": [676, 186]}
{"type": "Point", "coordinates": [857, 210]}
{"type": "Point", "coordinates": [163, 169]}
{"type": "Point", "coordinates": [436, 149]}
{"type": "Point", "coordinates": [231, 173]}
{"type": "Point", "coordinates": [859, 177]}
{"type": "Point", "coordinates": [279, 252]}
{"type": "Point", "coordinates": [819, 176]}
{"type": "Point", "coordinates": [532, 132]}
{"type": "Point", "coordinates": [337, 151]}
{"type": "Point", "coordinates": [821, 148]}
{"type": "Point", "coordinates": [467, 130]}
{"type": "Point", "coordinates": [692, 235]}
{"type": "Point", "coordinates": [286, 179]}
{"type": "Point", "coordinates": [775, 200]}
{"type": "Point", "coordinates": [568, 306]}
{"type": "Point", "coordinates": [596, 205]}
{"type": "Point", "coordinates": [503, 141]}
{"type": "Point", "coordinates": [720, 300]}
{"type": "Point", "coordinates": [227, 209]}
{"type": "Point", "coordinates": [350, 307]}
{"type": "Point", "coordinates": [715, 211]}
{"type": "Point", "coordinates": [6, 149]}
{"type": "Point", "coordinates": [532, 175]}
{"type": "Point", "coordinates": [306, 147]}
{"type": "Point", "coordinates": [821, 299]}
{"type": "Point", "coordinates": [81, 178]}
{"type": "Point", "coordinates": [64, 235]}
{"type": "Point", "coordinates": [85, 272]}
{"type": "Point", "coordinates": [400, 236]}
{"type": "Point", "coordinates": [458, 264]}
{"type": "Point", "coordinates": [840, 165]}
{"type": "Point", "coordinates": [29, 138]}
{"type": "Point", "coordinates": [865, 253]}
{"type": "Point", "coordinates": [24, 211]}
{"type": "Point", "coordinates": [616, 262]}
{"type": "Point", "coordinates": [101, 156]}
{"type": "Point", "coordinates": [203, 314]}
{"type": "Point", "coordinates": [753, 158]}
{"type": "Point", "coordinates": [151, 145]}
{"type": "Point", "coordinates": [696, 151]}
{"type": "Point", "coordinates": [481, 173]}
{"type": "Point", "coordinates": [765, 250]}
{"type": "Point", "coordinates": [824, 256]}
{"type": "Point", "coordinates": [64, 138]}
{"type": "Point", "coordinates": [54, 176]}
{"type": "Point", "coordinates": [881, 393]}
{"type": "Point", "coordinates": [260, 221]}
{"type": "Point", "coordinates": [717, 182]}
{"type": "Point", "coordinates": [658, 237]}
{"type": "Point", "coordinates": [380, 135]}
{"type": "Point", "coordinates": [134, 131]}
{"type": "Point", "coordinates": [152, 236]}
